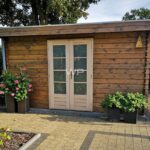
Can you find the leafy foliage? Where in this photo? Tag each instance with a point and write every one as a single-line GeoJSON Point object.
{"type": "Point", "coordinates": [18, 85]}
{"type": "Point", "coordinates": [137, 14]}
{"type": "Point", "coordinates": [134, 101]}
{"type": "Point", "coordinates": [23, 86]}
{"type": "Point", "coordinates": [5, 134]}
{"type": "Point", "coordinates": [128, 102]}
{"type": "Point", "coordinates": [114, 101]}
{"type": "Point", "coordinates": [7, 84]}
{"type": "Point", "coordinates": [39, 12]}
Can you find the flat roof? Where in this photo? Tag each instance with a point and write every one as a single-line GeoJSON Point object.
{"type": "Point", "coordinates": [83, 28]}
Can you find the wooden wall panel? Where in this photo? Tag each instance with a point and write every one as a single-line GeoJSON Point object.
{"type": "Point", "coordinates": [32, 53]}
{"type": "Point", "coordinates": [147, 71]}
{"type": "Point", "coordinates": [117, 66]}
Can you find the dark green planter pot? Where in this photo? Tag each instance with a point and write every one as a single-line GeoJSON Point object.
{"type": "Point", "coordinates": [130, 117]}
{"type": "Point", "coordinates": [113, 114]}
{"type": "Point", "coordinates": [10, 104]}
{"type": "Point", "coordinates": [23, 106]}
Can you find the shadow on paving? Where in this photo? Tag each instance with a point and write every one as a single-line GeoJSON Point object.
{"type": "Point", "coordinates": [92, 118]}
{"type": "Point", "coordinates": [89, 121]}
{"type": "Point", "coordinates": [80, 120]}
{"type": "Point", "coordinates": [91, 134]}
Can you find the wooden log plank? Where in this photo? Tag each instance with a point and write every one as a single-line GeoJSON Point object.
{"type": "Point", "coordinates": [118, 35]}
{"type": "Point", "coordinates": [117, 61]}
{"type": "Point", "coordinates": [113, 86]}
{"type": "Point", "coordinates": [120, 51]}
{"type": "Point", "coordinates": [27, 57]}
{"type": "Point", "coordinates": [114, 45]}
{"type": "Point", "coordinates": [118, 56]}
{"type": "Point", "coordinates": [29, 47]}
{"type": "Point", "coordinates": [110, 91]}
{"type": "Point", "coordinates": [119, 76]}
{"type": "Point", "coordinates": [117, 40]}
{"type": "Point", "coordinates": [27, 52]}
{"type": "Point", "coordinates": [119, 71]}
{"type": "Point", "coordinates": [28, 61]}
{"type": "Point", "coordinates": [118, 81]}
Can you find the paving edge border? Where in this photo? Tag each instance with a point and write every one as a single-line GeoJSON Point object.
{"type": "Point", "coordinates": [30, 142]}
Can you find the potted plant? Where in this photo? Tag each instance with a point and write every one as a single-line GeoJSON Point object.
{"type": "Point", "coordinates": [113, 104]}
{"type": "Point", "coordinates": [23, 88]}
{"type": "Point", "coordinates": [133, 102]}
{"type": "Point", "coordinates": [7, 88]}
{"type": "Point", "coordinates": [17, 89]}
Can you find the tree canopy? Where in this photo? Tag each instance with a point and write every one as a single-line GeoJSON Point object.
{"type": "Point", "coordinates": [137, 14]}
{"type": "Point", "coordinates": [41, 12]}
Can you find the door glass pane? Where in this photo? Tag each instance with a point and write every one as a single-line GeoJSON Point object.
{"type": "Point", "coordinates": [80, 76]}
{"type": "Point", "coordinates": [59, 51]}
{"type": "Point", "coordinates": [80, 50]}
{"type": "Point", "coordinates": [59, 75]}
{"type": "Point", "coordinates": [60, 64]}
{"type": "Point", "coordinates": [80, 63]}
{"type": "Point", "coordinates": [80, 88]}
{"type": "Point", "coordinates": [60, 88]}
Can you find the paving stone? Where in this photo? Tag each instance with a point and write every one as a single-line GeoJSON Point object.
{"type": "Point", "coordinates": [80, 133]}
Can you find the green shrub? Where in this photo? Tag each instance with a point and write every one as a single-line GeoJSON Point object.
{"type": "Point", "coordinates": [5, 134]}
{"type": "Point", "coordinates": [134, 101]}
{"type": "Point", "coordinates": [16, 85]}
{"type": "Point", "coordinates": [114, 100]}
{"type": "Point", "coordinates": [127, 102]}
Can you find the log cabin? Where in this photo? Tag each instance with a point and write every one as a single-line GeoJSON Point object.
{"type": "Point", "coordinates": [75, 66]}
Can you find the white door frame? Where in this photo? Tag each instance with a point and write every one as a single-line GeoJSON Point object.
{"type": "Point", "coordinates": [69, 43]}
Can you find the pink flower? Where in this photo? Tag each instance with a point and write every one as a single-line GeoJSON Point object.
{"type": "Point", "coordinates": [1, 92]}
{"type": "Point", "coordinates": [7, 89]}
{"type": "Point", "coordinates": [16, 82]}
{"type": "Point", "coordinates": [24, 69]}
{"type": "Point", "coordinates": [2, 85]}
{"type": "Point", "coordinates": [30, 85]}
{"type": "Point", "coordinates": [12, 94]}
{"type": "Point", "coordinates": [17, 88]}
{"type": "Point", "coordinates": [30, 90]}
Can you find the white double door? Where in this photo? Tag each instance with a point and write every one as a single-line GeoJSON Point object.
{"type": "Point", "coordinates": [70, 65]}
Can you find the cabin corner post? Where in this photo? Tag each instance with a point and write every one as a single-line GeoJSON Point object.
{"type": "Point", "coordinates": [3, 54]}
{"type": "Point", "coordinates": [147, 69]}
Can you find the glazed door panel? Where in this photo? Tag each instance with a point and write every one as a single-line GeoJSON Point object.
{"type": "Point", "coordinates": [70, 74]}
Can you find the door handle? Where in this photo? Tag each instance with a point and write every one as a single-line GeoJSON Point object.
{"type": "Point", "coordinates": [71, 74]}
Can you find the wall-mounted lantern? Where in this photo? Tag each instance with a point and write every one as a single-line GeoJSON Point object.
{"type": "Point", "coordinates": [139, 43]}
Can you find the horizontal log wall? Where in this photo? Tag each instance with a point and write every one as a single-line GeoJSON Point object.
{"type": "Point", "coordinates": [32, 53]}
{"type": "Point", "coordinates": [147, 71]}
{"type": "Point", "coordinates": [118, 65]}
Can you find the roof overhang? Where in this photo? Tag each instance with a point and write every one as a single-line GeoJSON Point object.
{"type": "Point", "coordinates": [85, 28]}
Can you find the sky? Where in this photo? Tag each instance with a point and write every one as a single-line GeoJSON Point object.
{"type": "Point", "coordinates": [112, 10]}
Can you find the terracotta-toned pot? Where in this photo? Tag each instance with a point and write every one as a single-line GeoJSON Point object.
{"type": "Point", "coordinates": [10, 104]}
{"type": "Point", "coordinates": [23, 106]}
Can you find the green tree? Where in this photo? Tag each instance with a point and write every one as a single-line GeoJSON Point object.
{"type": "Point", "coordinates": [137, 14]}
{"type": "Point", "coordinates": [41, 12]}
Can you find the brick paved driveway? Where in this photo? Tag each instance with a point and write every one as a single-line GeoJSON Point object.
{"type": "Point", "coordinates": [74, 133]}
